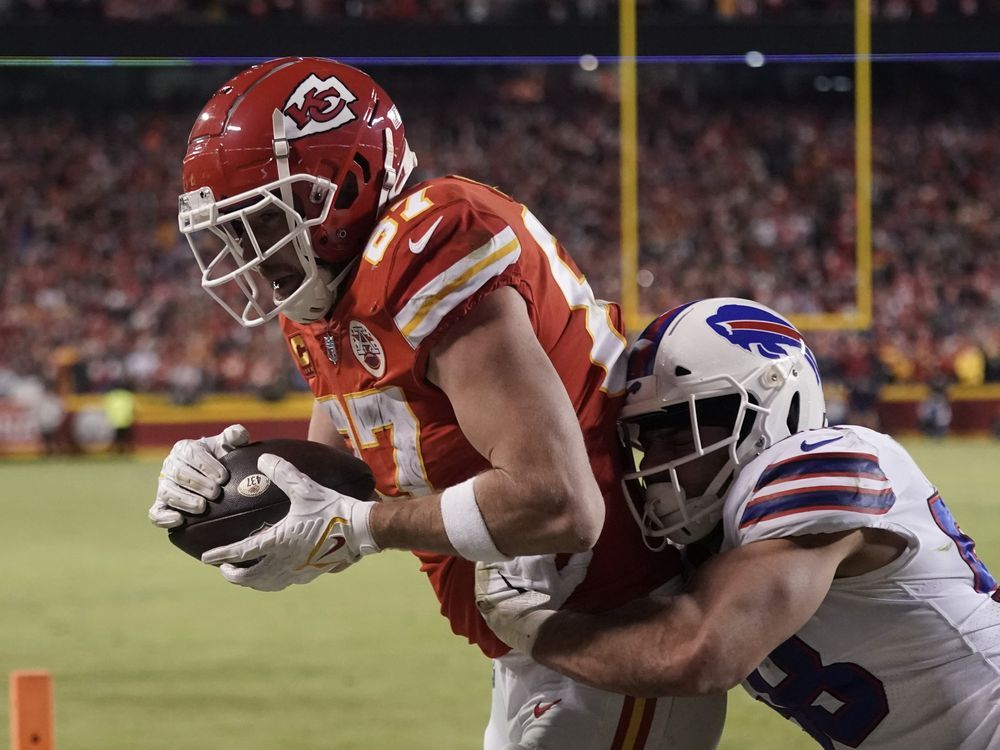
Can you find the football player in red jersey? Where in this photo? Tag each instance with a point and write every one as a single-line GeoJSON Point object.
{"type": "Point", "coordinates": [453, 345]}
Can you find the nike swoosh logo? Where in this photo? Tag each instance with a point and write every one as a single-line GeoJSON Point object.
{"type": "Point", "coordinates": [540, 708]}
{"type": "Point", "coordinates": [510, 585]}
{"type": "Point", "coordinates": [338, 541]}
{"type": "Point", "coordinates": [418, 247]}
{"type": "Point", "coordinates": [806, 447]}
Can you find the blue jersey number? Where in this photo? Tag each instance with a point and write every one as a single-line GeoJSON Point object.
{"type": "Point", "coordinates": [982, 581]}
{"type": "Point", "coordinates": [841, 701]}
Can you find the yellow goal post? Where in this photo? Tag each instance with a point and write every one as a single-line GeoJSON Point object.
{"type": "Point", "coordinates": [857, 319]}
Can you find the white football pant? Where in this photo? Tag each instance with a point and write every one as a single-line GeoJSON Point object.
{"type": "Point", "coordinates": [536, 708]}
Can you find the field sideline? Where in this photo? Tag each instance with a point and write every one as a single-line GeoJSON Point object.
{"type": "Point", "coordinates": [152, 651]}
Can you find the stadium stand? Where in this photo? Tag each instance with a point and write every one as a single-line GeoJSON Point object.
{"type": "Point", "coordinates": [481, 11]}
{"type": "Point", "coordinates": [748, 195]}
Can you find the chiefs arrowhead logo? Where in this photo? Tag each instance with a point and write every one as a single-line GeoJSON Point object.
{"type": "Point", "coordinates": [367, 349]}
{"type": "Point", "coordinates": [317, 105]}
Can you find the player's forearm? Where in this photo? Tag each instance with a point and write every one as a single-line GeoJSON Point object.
{"type": "Point", "coordinates": [520, 517]}
{"type": "Point", "coordinates": [412, 524]}
{"type": "Point", "coordinates": [534, 512]}
{"type": "Point", "coordinates": [740, 606]}
{"type": "Point", "coordinates": [648, 648]}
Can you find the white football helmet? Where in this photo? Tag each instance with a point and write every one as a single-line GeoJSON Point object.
{"type": "Point", "coordinates": [724, 361]}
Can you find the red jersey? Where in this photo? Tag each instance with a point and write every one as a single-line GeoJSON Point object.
{"type": "Point", "coordinates": [438, 250]}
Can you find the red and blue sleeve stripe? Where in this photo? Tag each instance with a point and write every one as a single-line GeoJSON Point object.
{"type": "Point", "coordinates": [855, 499]}
{"type": "Point", "coordinates": [828, 492]}
{"type": "Point", "coordinates": [861, 465]}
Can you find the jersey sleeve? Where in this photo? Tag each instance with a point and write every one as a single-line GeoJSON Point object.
{"type": "Point", "coordinates": [821, 481]}
{"type": "Point", "coordinates": [443, 264]}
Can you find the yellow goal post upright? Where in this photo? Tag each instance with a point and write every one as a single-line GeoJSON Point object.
{"type": "Point", "coordinates": [628, 135]}
{"type": "Point", "coordinates": [861, 316]}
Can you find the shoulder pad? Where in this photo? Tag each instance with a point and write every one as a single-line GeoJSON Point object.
{"type": "Point", "coordinates": [435, 249]}
{"type": "Point", "coordinates": [813, 482]}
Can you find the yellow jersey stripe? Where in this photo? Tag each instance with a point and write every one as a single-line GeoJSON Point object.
{"type": "Point", "coordinates": [448, 290]}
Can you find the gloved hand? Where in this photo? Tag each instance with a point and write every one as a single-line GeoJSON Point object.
{"type": "Point", "coordinates": [192, 474]}
{"type": "Point", "coordinates": [517, 596]}
{"type": "Point", "coordinates": [324, 532]}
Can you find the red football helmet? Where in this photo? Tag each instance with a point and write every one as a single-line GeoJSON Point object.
{"type": "Point", "coordinates": [318, 141]}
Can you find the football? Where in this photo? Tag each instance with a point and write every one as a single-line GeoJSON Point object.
{"type": "Point", "coordinates": [249, 501]}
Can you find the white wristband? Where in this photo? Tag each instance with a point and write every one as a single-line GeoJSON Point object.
{"type": "Point", "coordinates": [464, 524]}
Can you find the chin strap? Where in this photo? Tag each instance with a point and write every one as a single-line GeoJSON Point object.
{"type": "Point", "coordinates": [392, 184]}
{"type": "Point", "coordinates": [281, 151]}
{"type": "Point", "coordinates": [337, 280]}
{"type": "Point", "coordinates": [320, 296]}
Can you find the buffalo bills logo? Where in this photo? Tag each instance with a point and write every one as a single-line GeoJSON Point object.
{"type": "Point", "coordinates": [317, 105]}
{"type": "Point", "coordinates": [759, 332]}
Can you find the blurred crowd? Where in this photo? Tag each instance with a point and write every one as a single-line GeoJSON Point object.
{"type": "Point", "coordinates": [746, 198]}
{"type": "Point", "coordinates": [98, 289]}
{"type": "Point", "coordinates": [479, 11]}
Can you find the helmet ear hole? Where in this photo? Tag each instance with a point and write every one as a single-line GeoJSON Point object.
{"type": "Point", "coordinates": [749, 418]}
{"type": "Point", "coordinates": [366, 170]}
{"type": "Point", "coordinates": [348, 192]}
{"type": "Point", "coordinates": [792, 422]}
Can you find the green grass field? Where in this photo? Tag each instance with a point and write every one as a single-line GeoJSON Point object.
{"type": "Point", "coordinates": [150, 650]}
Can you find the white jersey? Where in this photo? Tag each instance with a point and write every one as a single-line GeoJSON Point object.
{"type": "Point", "coordinates": [903, 657]}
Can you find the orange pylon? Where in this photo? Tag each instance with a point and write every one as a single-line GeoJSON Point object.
{"type": "Point", "coordinates": [31, 722]}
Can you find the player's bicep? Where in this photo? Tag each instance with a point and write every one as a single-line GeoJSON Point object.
{"type": "Point", "coordinates": [514, 410]}
{"type": "Point", "coordinates": [507, 396]}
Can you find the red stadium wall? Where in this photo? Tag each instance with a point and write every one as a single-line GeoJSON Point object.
{"type": "Point", "coordinates": [975, 409]}
{"type": "Point", "coordinates": [160, 423]}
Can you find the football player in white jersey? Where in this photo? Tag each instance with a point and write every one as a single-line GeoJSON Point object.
{"type": "Point", "coordinates": [844, 596]}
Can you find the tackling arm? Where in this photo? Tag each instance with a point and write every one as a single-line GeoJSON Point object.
{"type": "Point", "coordinates": [740, 606]}
{"type": "Point", "coordinates": [540, 495]}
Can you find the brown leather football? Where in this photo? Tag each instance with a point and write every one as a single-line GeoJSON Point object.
{"type": "Point", "coordinates": [249, 501]}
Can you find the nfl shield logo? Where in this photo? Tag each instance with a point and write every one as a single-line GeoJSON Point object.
{"type": "Point", "coordinates": [330, 347]}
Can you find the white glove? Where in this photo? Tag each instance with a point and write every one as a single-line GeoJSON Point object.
{"type": "Point", "coordinates": [324, 532]}
{"type": "Point", "coordinates": [517, 596]}
{"type": "Point", "coordinates": [192, 474]}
